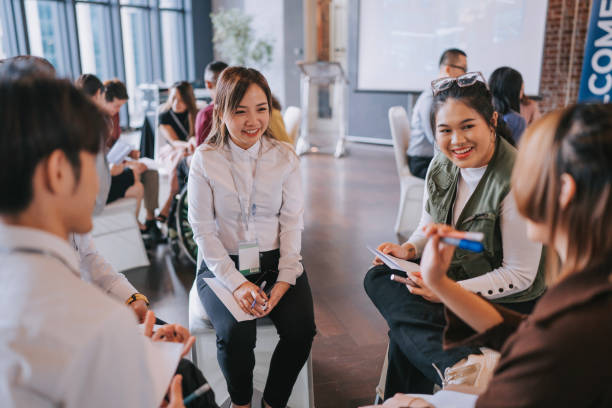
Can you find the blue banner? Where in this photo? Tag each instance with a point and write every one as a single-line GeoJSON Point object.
{"type": "Point", "coordinates": [596, 78]}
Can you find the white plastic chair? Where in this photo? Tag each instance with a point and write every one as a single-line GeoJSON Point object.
{"type": "Point", "coordinates": [411, 187]}
{"type": "Point", "coordinates": [293, 119]}
{"type": "Point", "coordinates": [204, 355]}
{"type": "Point", "coordinates": [117, 236]}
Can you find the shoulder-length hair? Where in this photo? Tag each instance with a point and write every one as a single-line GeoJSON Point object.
{"type": "Point", "coordinates": [576, 141]}
{"type": "Point", "coordinates": [185, 90]}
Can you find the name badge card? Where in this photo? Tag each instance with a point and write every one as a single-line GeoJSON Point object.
{"type": "Point", "coordinates": [248, 257]}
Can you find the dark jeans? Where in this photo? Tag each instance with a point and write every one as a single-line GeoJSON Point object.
{"type": "Point", "coordinates": [415, 334]}
{"type": "Point", "coordinates": [293, 318]}
{"type": "Point", "coordinates": [418, 165]}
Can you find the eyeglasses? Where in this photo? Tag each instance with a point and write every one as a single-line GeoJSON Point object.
{"type": "Point", "coordinates": [469, 79]}
{"type": "Point", "coordinates": [462, 68]}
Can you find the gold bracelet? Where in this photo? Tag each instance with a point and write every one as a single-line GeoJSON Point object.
{"type": "Point", "coordinates": [135, 297]}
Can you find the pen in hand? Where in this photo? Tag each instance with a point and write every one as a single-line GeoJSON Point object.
{"type": "Point", "coordinates": [261, 288]}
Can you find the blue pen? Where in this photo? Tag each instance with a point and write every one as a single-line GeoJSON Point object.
{"type": "Point", "coordinates": [466, 244]}
{"type": "Point", "coordinates": [200, 391]}
{"type": "Point", "coordinates": [263, 285]}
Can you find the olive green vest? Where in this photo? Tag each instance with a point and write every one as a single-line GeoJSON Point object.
{"type": "Point", "coordinates": [481, 213]}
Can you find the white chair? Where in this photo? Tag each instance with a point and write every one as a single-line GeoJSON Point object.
{"type": "Point", "coordinates": [411, 187]}
{"type": "Point", "coordinates": [117, 236]}
{"type": "Point", "coordinates": [205, 356]}
{"type": "Point", "coordinates": [293, 119]}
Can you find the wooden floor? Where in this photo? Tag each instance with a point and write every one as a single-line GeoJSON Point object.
{"type": "Point", "coordinates": [350, 202]}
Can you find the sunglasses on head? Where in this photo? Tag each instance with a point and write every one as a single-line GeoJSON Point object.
{"type": "Point", "coordinates": [469, 79]}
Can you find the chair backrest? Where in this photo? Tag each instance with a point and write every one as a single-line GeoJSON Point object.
{"type": "Point", "coordinates": [400, 133]}
{"type": "Point", "coordinates": [292, 119]}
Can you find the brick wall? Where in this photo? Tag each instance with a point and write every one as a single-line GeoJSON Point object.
{"type": "Point", "coordinates": [567, 20]}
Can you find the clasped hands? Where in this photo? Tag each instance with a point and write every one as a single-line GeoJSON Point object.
{"type": "Point", "coordinates": [252, 300]}
{"type": "Point", "coordinates": [435, 260]}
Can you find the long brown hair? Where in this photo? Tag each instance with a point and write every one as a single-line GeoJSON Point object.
{"type": "Point", "coordinates": [185, 90]}
{"type": "Point", "coordinates": [575, 141]}
{"type": "Point", "coordinates": [231, 87]}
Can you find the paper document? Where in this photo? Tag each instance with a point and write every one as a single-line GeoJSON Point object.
{"type": "Point", "coordinates": [118, 152]}
{"type": "Point", "coordinates": [449, 399]}
{"type": "Point", "coordinates": [395, 263]}
{"type": "Point", "coordinates": [226, 297]}
{"type": "Point", "coordinates": [163, 358]}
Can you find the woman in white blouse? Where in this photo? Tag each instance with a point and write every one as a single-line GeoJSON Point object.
{"type": "Point", "coordinates": [246, 208]}
{"type": "Point", "coordinates": [467, 185]}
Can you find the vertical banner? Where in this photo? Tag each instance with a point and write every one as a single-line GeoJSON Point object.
{"type": "Point", "coordinates": [596, 78]}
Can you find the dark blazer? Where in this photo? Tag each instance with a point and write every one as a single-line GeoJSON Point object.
{"type": "Point", "coordinates": [560, 355]}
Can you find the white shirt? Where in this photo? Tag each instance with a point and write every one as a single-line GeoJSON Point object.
{"type": "Point", "coordinates": [521, 256]}
{"type": "Point", "coordinates": [214, 207]}
{"type": "Point", "coordinates": [62, 341]}
{"type": "Point", "coordinates": [97, 271]}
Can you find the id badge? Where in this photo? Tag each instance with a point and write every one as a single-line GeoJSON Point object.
{"type": "Point", "coordinates": [248, 258]}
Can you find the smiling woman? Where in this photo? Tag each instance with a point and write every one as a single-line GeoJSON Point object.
{"type": "Point", "coordinates": [468, 186]}
{"type": "Point", "coordinates": [246, 208]}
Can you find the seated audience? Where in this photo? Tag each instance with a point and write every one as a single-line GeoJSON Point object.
{"type": "Point", "coordinates": [453, 62]}
{"type": "Point", "coordinates": [506, 85]}
{"type": "Point", "coordinates": [176, 124]}
{"type": "Point", "coordinates": [245, 208]}
{"type": "Point", "coordinates": [530, 111]}
{"type": "Point", "coordinates": [277, 124]}
{"type": "Point", "coordinates": [130, 178]}
{"type": "Point", "coordinates": [65, 342]}
{"type": "Point", "coordinates": [203, 122]}
{"type": "Point", "coordinates": [560, 355]}
{"type": "Point", "coordinates": [467, 185]}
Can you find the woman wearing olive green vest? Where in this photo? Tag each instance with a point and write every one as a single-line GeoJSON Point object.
{"type": "Point", "coordinates": [467, 186]}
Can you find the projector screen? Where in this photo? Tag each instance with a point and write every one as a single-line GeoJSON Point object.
{"type": "Point", "coordinates": [400, 41]}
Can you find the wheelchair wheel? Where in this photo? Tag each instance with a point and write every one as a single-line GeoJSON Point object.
{"type": "Point", "coordinates": [183, 228]}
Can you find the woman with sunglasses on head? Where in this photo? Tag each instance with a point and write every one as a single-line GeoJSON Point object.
{"type": "Point", "coordinates": [560, 355]}
{"type": "Point", "coordinates": [467, 185]}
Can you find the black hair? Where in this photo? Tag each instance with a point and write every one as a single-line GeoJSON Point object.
{"type": "Point", "coordinates": [40, 116]}
{"type": "Point", "coordinates": [450, 56]}
{"type": "Point", "coordinates": [89, 83]}
{"type": "Point", "coordinates": [26, 67]}
{"type": "Point", "coordinates": [477, 97]}
{"type": "Point", "coordinates": [115, 89]}
{"type": "Point", "coordinates": [213, 70]}
{"type": "Point", "coordinates": [505, 84]}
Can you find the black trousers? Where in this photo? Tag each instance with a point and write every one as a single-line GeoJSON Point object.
{"type": "Point", "coordinates": [415, 334]}
{"type": "Point", "coordinates": [418, 165]}
{"type": "Point", "coordinates": [293, 318]}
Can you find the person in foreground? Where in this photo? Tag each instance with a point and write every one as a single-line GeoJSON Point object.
{"type": "Point", "coordinates": [64, 342]}
{"type": "Point", "coordinates": [246, 210]}
{"type": "Point", "coordinates": [467, 185]}
{"type": "Point", "coordinates": [560, 355]}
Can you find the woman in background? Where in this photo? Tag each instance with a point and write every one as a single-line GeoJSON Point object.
{"type": "Point", "coordinates": [506, 85]}
{"type": "Point", "coordinates": [177, 125]}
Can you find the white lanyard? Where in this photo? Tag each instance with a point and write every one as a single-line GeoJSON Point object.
{"type": "Point", "coordinates": [178, 122]}
{"type": "Point", "coordinates": [246, 211]}
{"type": "Point", "coordinates": [38, 251]}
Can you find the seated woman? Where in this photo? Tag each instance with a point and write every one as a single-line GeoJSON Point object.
{"type": "Point", "coordinates": [468, 186]}
{"type": "Point", "coordinates": [245, 208]}
{"type": "Point", "coordinates": [507, 87]}
{"type": "Point", "coordinates": [176, 124]}
{"type": "Point", "coordinates": [560, 355]}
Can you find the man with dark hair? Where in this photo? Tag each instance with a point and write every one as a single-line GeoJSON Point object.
{"type": "Point", "coordinates": [92, 86]}
{"type": "Point", "coordinates": [453, 63]}
{"type": "Point", "coordinates": [65, 342]}
{"type": "Point", "coordinates": [203, 122]}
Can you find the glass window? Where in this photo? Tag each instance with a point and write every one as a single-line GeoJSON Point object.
{"type": "Point", "coordinates": [95, 41]}
{"type": "Point", "coordinates": [173, 46]}
{"type": "Point", "coordinates": [136, 54]}
{"type": "Point", "coordinates": [4, 46]}
{"type": "Point", "coordinates": [135, 2]}
{"type": "Point", "coordinates": [44, 32]}
{"type": "Point", "coordinates": [175, 4]}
